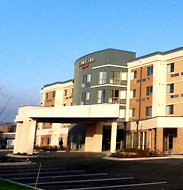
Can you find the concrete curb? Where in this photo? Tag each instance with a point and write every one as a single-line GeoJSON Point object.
{"type": "Point", "coordinates": [22, 156]}
{"type": "Point", "coordinates": [144, 158]}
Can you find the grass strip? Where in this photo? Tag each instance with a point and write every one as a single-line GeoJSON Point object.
{"type": "Point", "coordinates": [7, 185]}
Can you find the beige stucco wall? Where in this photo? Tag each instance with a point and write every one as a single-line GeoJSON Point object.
{"type": "Point", "coordinates": [28, 115]}
{"type": "Point", "coordinates": [84, 111]}
{"type": "Point", "coordinates": [157, 122]}
{"type": "Point", "coordinates": [160, 98]}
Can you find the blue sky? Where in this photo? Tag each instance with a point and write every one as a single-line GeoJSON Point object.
{"type": "Point", "coordinates": [41, 39]}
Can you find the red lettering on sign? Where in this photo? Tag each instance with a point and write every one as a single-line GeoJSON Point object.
{"type": "Point", "coordinates": [85, 66]}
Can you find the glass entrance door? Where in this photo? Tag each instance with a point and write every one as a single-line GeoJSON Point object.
{"type": "Point", "coordinates": [168, 142]}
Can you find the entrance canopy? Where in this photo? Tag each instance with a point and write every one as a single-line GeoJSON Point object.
{"type": "Point", "coordinates": [69, 114]}
{"type": "Point", "coordinates": [28, 116]}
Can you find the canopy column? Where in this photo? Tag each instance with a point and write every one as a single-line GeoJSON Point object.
{"type": "Point", "coordinates": [25, 135]}
{"type": "Point", "coordinates": [113, 136]}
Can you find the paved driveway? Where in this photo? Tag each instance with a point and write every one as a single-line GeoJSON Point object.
{"type": "Point", "coordinates": [82, 171]}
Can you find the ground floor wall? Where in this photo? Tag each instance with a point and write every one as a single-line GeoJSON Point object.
{"type": "Point", "coordinates": [161, 140]}
{"type": "Point", "coordinates": [51, 136]}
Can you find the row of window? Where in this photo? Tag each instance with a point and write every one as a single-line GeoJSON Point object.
{"type": "Point", "coordinates": [149, 71]}
{"type": "Point", "coordinates": [176, 96]}
{"type": "Point", "coordinates": [115, 96]}
{"type": "Point", "coordinates": [175, 74]}
{"type": "Point", "coordinates": [169, 111]}
{"type": "Point", "coordinates": [148, 111]}
{"type": "Point", "coordinates": [116, 77]}
{"type": "Point", "coordinates": [149, 91]}
{"type": "Point", "coordinates": [47, 141]}
{"type": "Point", "coordinates": [53, 95]}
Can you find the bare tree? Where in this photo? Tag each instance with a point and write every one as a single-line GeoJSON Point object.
{"type": "Point", "coordinates": [5, 106]}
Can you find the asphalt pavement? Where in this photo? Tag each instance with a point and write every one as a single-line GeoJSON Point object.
{"type": "Point", "coordinates": [85, 171]}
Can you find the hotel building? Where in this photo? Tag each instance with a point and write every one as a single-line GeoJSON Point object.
{"type": "Point", "coordinates": [54, 95]}
{"type": "Point", "coordinates": [101, 78]}
{"type": "Point", "coordinates": [155, 101]}
{"type": "Point", "coordinates": [123, 101]}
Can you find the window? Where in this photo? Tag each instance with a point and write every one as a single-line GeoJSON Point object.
{"type": "Point", "coordinates": [170, 88]}
{"type": "Point", "coordinates": [170, 68]}
{"type": "Point", "coordinates": [49, 141]}
{"type": "Point", "coordinates": [46, 96]}
{"type": "Point", "coordinates": [86, 80]}
{"type": "Point", "coordinates": [174, 75]}
{"type": "Point", "coordinates": [146, 79]}
{"type": "Point", "coordinates": [115, 77]}
{"type": "Point", "coordinates": [85, 96]}
{"type": "Point", "coordinates": [122, 113]}
{"type": "Point", "coordinates": [53, 95]}
{"type": "Point", "coordinates": [133, 93]}
{"type": "Point", "coordinates": [132, 112]}
{"type": "Point", "coordinates": [169, 109]}
{"type": "Point", "coordinates": [114, 96]}
{"type": "Point", "coordinates": [101, 96]}
{"type": "Point", "coordinates": [134, 74]}
{"type": "Point", "coordinates": [117, 96]}
{"type": "Point", "coordinates": [149, 70]}
{"type": "Point", "coordinates": [149, 90]}
{"type": "Point", "coordinates": [174, 96]}
{"type": "Point", "coordinates": [65, 92]}
{"type": "Point", "coordinates": [103, 77]}
{"type": "Point", "coordinates": [42, 140]}
{"type": "Point", "coordinates": [123, 76]}
{"type": "Point", "coordinates": [122, 94]}
{"type": "Point", "coordinates": [149, 111]}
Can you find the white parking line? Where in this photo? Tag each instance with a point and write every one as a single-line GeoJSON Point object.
{"type": "Point", "coordinates": [69, 171]}
{"type": "Point", "coordinates": [80, 181]}
{"type": "Point", "coordinates": [62, 176]}
{"type": "Point", "coordinates": [117, 186]}
{"type": "Point", "coordinates": [33, 168]}
{"type": "Point", "coordinates": [29, 169]}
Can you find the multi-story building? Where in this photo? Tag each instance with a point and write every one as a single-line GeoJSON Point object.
{"type": "Point", "coordinates": [155, 101]}
{"type": "Point", "coordinates": [122, 100]}
{"type": "Point", "coordinates": [101, 78]}
{"type": "Point", "coordinates": [54, 95]}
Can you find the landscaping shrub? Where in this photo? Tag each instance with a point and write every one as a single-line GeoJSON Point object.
{"type": "Point", "coordinates": [134, 153]}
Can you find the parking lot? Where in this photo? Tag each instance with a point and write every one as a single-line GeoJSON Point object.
{"type": "Point", "coordinates": [82, 171]}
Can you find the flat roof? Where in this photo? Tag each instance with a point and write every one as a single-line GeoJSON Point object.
{"type": "Point", "coordinates": [59, 82]}
{"type": "Point", "coordinates": [104, 50]}
{"type": "Point", "coordinates": [157, 53]}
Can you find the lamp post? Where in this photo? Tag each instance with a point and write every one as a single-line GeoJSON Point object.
{"type": "Point", "coordinates": [125, 123]}
{"type": "Point", "coordinates": [137, 122]}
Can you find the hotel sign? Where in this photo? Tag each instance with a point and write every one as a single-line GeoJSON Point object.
{"type": "Point", "coordinates": [84, 64]}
